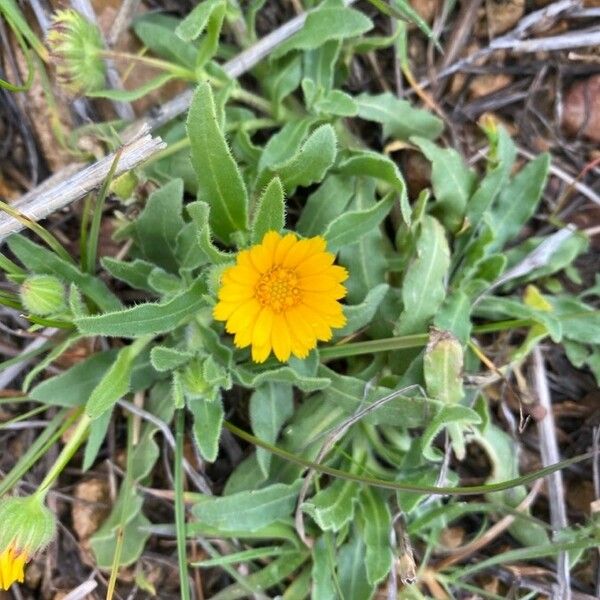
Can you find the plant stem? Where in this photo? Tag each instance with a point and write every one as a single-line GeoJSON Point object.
{"type": "Point", "coordinates": [92, 241]}
{"type": "Point", "coordinates": [156, 63]}
{"type": "Point", "coordinates": [409, 341]}
{"type": "Point", "coordinates": [180, 505]}
{"type": "Point", "coordinates": [66, 454]}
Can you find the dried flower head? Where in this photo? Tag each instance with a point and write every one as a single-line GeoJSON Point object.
{"type": "Point", "coordinates": [76, 48]}
{"type": "Point", "coordinates": [282, 295]}
{"type": "Point", "coordinates": [27, 527]}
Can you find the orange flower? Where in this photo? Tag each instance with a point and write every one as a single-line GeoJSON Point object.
{"type": "Point", "coordinates": [282, 296]}
{"type": "Point", "coordinates": [12, 566]}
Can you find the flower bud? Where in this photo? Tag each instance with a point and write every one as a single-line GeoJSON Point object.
{"type": "Point", "coordinates": [43, 294]}
{"type": "Point", "coordinates": [27, 528]}
{"type": "Point", "coordinates": [76, 48]}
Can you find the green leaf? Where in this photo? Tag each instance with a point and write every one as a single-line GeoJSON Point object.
{"type": "Point", "coordinates": [40, 260]}
{"type": "Point", "coordinates": [318, 30]}
{"type": "Point", "coordinates": [518, 201]}
{"type": "Point", "coordinates": [166, 359]}
{"type": "Point", "coordinates": [220, 182]}
{"type": "Point", "coordinates": [561, 257]}
{"type": "Point", "coordinates": [349, 227]}
{"type": "Point", "coordinates": [116, 381]}
{"type": "Point", "coordinates": [352, 572]}
{"type": "Point", "coordinates": [271, 405]}
{"type": "Point", "coordinates": [319, 65]}
{"type": "Point", "coordinates": [148, 318]}
{"type": "Point", "coordinates": [270, 212]}
{"type": "Point", "coordinates": [98, 429]}
{"type": "Point", "coordinates": [74, 386]}
{"type": "Point", "coordinates": [252, 377]}
{"type": "Point", "coordinates": [455, 315]}
{"type": "Point", "coordinates": [284, 144]}
{"type": "Point", "coordinates": [134, 534]}
{"type": "Point", "coordinates": [424, 289]}
{"type": "Point", "coordinates": [452, 182]}
{"type": "Point", "coordinates": [272, 575]}
{"type": "Point", "coordinates": [196, 21]}
{"type": "Point", "coordinates": [282, 79]}
{"type": "Point", "coordinates": [279, 530]}
{"type": "Point", "coordinates": [376, 524]}
{"type": "Point", "coordinates": [352, 394]}
{"type": "Point", "coordinates": [336, 103]}
{"type": "Point", "coordinates": [366, 260]}
{"type": "Point", "coordinates": [248, 511]}
{"type": "Point", "coordinates": [208, 422]}
{"type": "Point", "coordinates": [333, 507]}
{"type": "Point", "coordinates": [157, 32]}
{"type": "Point", "coordinates": [325, 204]}
{"type": "Point", "coordinates": [380, 167]}
{"type": "Point", "coordinates": [165, 283]}
{"type": "Point", "coordinates": [322, 569]}
{"type": "Point", "coordinates": [310, 164]}
{"type": "Point", "coordinates": [200, 213]}
{"type": "Point", "coordinates": [134, 274]}
{"type": "Point", "coordinates": [399, 118]}
{"type": "Point", "coordinates": [580, 321]}
{"type": "Point", "coordinates": [360, 315]}
{"type": "Point", "coordinates": [502, 158]}
{"type": "Point", "coordinates": [155, 230]}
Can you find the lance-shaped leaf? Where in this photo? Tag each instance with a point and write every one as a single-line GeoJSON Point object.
{"type": "Point", "coordinates": [518, 200]}
{"type": "Point", "coordinates": [398, 117]}
{"type": "Point", "coordinates": [350, 227]}
{"type": "Point", "coordinates": [424, 288]}
{"type": "Point", "coordinates": [452, 182]}
{"type": "Point", "coordinates": [271, 405]}
{"type": "Point", "coordinates": [323, 25]}
{"type": "Point", "coordinates": [208, 422]}
{"type": "Point", "coordinates": [248, 511]}
{"type": "Point", "coordinates": [116, 381]}
{"type": "Point", "coordinates": [148, 318]}
{"type": "Point", "coordinates": [376, 523]}
{"type": "Point", "coordinates": [220, 183]}
{"type": "Point", "coordinates": [270, 213]}
{"type": "Point", "coordinates": [311, 163]}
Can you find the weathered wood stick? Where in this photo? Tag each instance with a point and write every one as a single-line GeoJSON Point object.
{"type": "Point", "coordinates": [71, 184]}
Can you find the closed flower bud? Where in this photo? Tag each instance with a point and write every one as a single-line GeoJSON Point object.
{"type": "Point", "coordinates": [76, 48]}
{"type": "Point", "coordinates": [43, 295]}
{"type": "Point", "coordinates": [27, 528]}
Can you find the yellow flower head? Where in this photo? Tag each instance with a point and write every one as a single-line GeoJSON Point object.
{"type": "Point", "coordinates": [26, 527]}
{"type": "Point", "coordinates": [282, 295]}
{"type": "Point", "coordinates": [12, 566]}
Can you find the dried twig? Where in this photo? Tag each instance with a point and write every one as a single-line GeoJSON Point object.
{"type": "Point", "coordinates": [82, 591]}
{"type": "Point", "coordinates": [122, 20]}
{"type": "Point", "coordinates": [42, 201]}
{"type": "Point", "coordinates": [550, 455]}
{"type": "Point", "coordinates": [582, 188]}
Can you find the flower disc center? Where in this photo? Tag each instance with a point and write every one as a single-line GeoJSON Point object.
{"type": "Point", "coordinates": [278, 289]}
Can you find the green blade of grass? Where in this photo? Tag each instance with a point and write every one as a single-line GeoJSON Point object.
{"type": "Point", "coordinates": [470, 490]}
